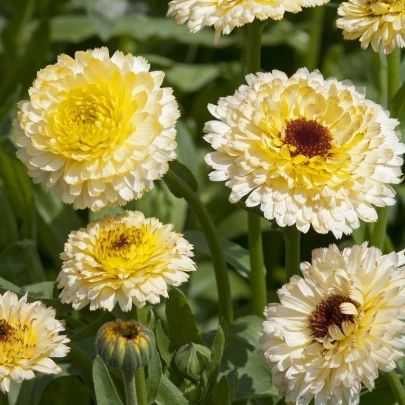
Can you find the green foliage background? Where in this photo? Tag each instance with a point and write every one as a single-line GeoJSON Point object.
{"type": "Point", "coordinates": [34, 225]}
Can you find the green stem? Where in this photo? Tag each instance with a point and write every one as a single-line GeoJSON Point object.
{"type": "Point", "coordinates": [141, 387]}
{"type": "Point", "coordinates": [394, 83]}
{"type": "Point", "coordinates": [257, 272]}
{"type": "Point", "coordinates": [292, 251]}
{"type": "Point", "coordinates": [396, 386]}
{"type": "Point", "coordinates": [218, 259]}
{"type": "Point", "coordinates": [128, 377]}
{"type": "Point", "coordinates": [316, 16]}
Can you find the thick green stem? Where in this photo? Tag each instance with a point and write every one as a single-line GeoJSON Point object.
{"type": "Point", "coordinates": [257, 272]}
{"type": "Point", "coordinates": [394, 83]}
{"type": "Point", "coordinates": [396, 386]}
{"type": "Point", "coordinates": [218, 259]}
{"type": "Point", "coordinates": [141, 393]}
{"type": "Point", "coordinates": [292, 251]}
{"type": "Point", "coordinates": [316, 17]}
{"type": "Point", "coordinates": [128, 377]}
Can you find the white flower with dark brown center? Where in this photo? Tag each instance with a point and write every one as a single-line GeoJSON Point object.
{"type": "Point", "coordinates": [128, 259]}
{"type": "Point", "coordinates": [337, 326]}
{"type": "Point", "coordinates": [306, 150]}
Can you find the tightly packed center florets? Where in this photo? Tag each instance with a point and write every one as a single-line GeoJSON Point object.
{"type": "Point", "coordinates": [130, 330]}
{"type": "Point", "coordinates": [328, 313]}
{"type": "Point", "coordinates": [308, 138]}
{"type": "Point", "coordinates": [6, 331]}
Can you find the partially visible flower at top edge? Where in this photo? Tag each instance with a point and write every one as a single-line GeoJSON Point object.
{"type": "Point", "coordinates": [375, 22]}
{"type": "Point", "coordinates": [306, 150]}
{"type": "Point", "coordinates": [29, 337]}
{"type": "Point", "coordinates": [98, 130]}
{"type": "Point", "coordinates": [225, 15]}
{"type": "Point", "coordinates": [336, 326]}
{"type": "Point", "coordinates": [127, 259]}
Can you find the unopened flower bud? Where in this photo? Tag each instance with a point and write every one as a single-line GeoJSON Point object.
{"type": "Point", "coordinates": [192, 359]}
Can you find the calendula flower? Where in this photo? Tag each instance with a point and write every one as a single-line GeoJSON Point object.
{"type": "Point", "coordinates": [29, 336]}
{"type": "Point", "coordinates": [308, 151]}
{"type": "Point", "coordinates": [126, 259]}
{"type": "Point", "coordinates": [225, 15]}
{"type": "Point", "coordinates": [124, 345]}
{"type": "Point", "coordinates": [379, 23]}
{"type": "Point", "coordinates": [337, 326]}
{"type": "Point", "coordinates": [97, 130]}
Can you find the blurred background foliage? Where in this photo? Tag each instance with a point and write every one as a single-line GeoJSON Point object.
{"type": "Point", "coordinates": [34, 225]}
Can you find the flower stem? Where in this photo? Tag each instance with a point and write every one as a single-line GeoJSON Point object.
{"type": "Point", "coordinates": [257, 273]}
{"type": "Point", "coordinates": [396, 386]}
{"type": "Point", "coordinates": [221, 270]}
{"type": "Point", "coordinates": [394, 83]}
{"type": "Point", "coordinates": [292, 251]}
{"type": "Point", "coordinates": [316, 17]}
{"type": "Point", "coordinates": [141, 387]}
{"type": "Point", "coordinates": [128, 377]}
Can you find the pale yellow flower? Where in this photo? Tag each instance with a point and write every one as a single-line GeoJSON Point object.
{"type": "Point", "coordinates": [225, 15]}
{"type": "Point", "coordinates": [29, 336]}
{"type": "Point", "coordinates": [308, 151]}
{"type": "Point", "coordinates": [379, 23]}
{"type": "Point", "coordinates": [126, 259]}
{"type": "Point", "coordinates": [337, 326]}
{"type": "Point", "coordinates": [97, 130]}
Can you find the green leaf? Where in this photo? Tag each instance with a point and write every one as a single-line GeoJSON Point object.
{"type": "Point", "coordinates": [163, 343]}
{"type": "Point", "coordinates": [92, 329]}
{"type": "Point", "coordinates": [397, 105]}
{"type": "Point", "coordinates": [180, 319]}
{"type": "Point", "coordinates": [169, 394]}
{"type": "Point", "coordinates": [21, 263]}
{"type": "Point", "coordinates": [221, 393]}
{"type": "Point", "coordinates": [106, 394]}
{"type": "Point", "coordinates": [187, 153]}
{"type": "Point", "coordinates": [8, 223]}
{"type": "Point", "coordinates": [154, 379]}
{"type": "Point", "coordinates": [185, 174]}
{"type": "Point", "coordinates": [43, 289]}
{"type": "Point", "coordinates": [381, 394]}
{"type": "Point", "coordinates": [235, 255]}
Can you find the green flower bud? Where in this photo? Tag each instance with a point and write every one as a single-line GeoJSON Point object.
{"type": "Point", "coordinates": [192, 359]}
{"type": "Point", "coordinates": [124, 345]}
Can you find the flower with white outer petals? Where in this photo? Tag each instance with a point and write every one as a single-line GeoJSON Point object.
{"type": "Point", "coordinates": [337, 325]}
{"type": "Point", "coordinates": [306, 150]}
{"type": "Point", "coordinates": [29, 337]}
{"type": "Point", "coordinates": [225, 15]}
{"type": "Point", "coordinates": [375, 22]}
{"type": "Point", "coordinates": [98, 130]}
{"type": "Point", "coordinates": [128, 259]}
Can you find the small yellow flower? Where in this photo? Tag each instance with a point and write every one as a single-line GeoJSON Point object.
{"type": "Point", "coordinates": [375, 22]}
{"type": "Point", "coordinates": [337, 326]}
{"type": "Point", "coordinates": [124, 345]}
{"type": "Point", "coordinates": [97, 130]}
{"type": "Point", "coordinates": [29, 336]}
{"type": "Point", "coordinates": [225, 15]}
{"type": "Point", "coordinates": [126, 259]}
{"type": "Point", "coordinates": [308, 151]}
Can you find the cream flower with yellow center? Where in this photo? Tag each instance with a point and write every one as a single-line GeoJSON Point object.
{"type": "Point", "coordinates": [97, 130]}
{"type": "Point", "coordinates": [379, 23]}
{"type": "Point", "coordinates": [126, 259]}
{"type": "Point", "coordinates": [337, 326]}
{"type": "Point", "coordinates": [29, 336]}
{"type": "Point", "coordinates": [225, 15]}
{"type": "Point", "coordinates": [308, 151]}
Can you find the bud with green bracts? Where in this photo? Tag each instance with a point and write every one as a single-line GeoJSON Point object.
{"type": "Point", "coordinates": [124, 345]}
{"type": "Point", "coordinates": [192, 359]}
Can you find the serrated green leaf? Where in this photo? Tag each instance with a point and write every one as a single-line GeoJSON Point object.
{"type": "Point", "coordinates": [106, 394]}
{"type": "Point", "coordinates": [169, 394]}
{"type": "Point", "coordinates": [163, 343]}
{"type": "Point", "coordinates": [180, 320]}
{"type": "Point", "coordinates": [154, 379]}
{"type": "Point", "coordinates": [221, 394]}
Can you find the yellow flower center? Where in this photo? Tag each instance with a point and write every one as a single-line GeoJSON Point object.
{"type": "Point", "coordinates": [308, 138]}
{"type": "Point", "coordinates": [387, 7]}
{"type": "Point", "coordinates": [130, 330]}
{"type": "Point", "coordinates": [89, 121]}
{"type": "Point", "coordinates": [128, 250]}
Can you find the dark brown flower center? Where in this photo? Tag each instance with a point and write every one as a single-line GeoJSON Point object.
{"type": "Point", "coordinates": [308, 137]}
{"type": "Point", "coordinates": [328, 313]}
{"type": "Point", "coordinates": [129, 330]}
{"type": "Point", "coordinates": [6, 331]}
